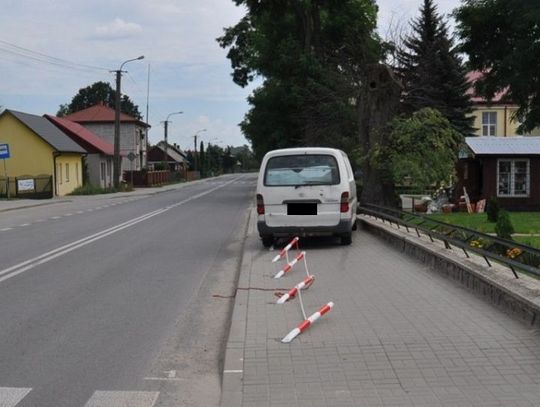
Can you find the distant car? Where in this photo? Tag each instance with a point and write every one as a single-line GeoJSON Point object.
{"type": "Point", "coordinates": [306, 192]}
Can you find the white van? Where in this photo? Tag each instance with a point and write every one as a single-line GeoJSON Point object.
{"type": "Point", "coordinates": [306, 191]}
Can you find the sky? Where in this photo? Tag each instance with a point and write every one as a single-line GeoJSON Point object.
{"type": "Point", "coordinates": [187, 69]}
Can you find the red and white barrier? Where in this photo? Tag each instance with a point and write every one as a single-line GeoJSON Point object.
{"type": "Point", "coordinates": [293, 291]}
{"type": "Point", "coordinates": [307, 323]}
{"type": "Point", "coordinates": [288, 267]}
{"type": "Point", "coordinates": [285, 250]}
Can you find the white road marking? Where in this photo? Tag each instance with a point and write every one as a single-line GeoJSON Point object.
{"type": "Point", "coordinates": [122, 399]}
{"type": "Point", "coordinates": [54, 217]}
{"type": "Point", "coordinates": [233, 371]}
{"type": "Point", "coordinates": [24, 225]}
{"type": "Point", "coordinates": [79, 212]}
{"type": "Point", "coordinates": [164, 379]}
{"type": "Point", "coordinates": [41, 220]}
{"type": "Point", "coordinates": [10, 396]}
{"type": "Point", "coordinates": [68, 214]}
{"type": "Point", "coordinates": [5, 229]}
{"type": "Point", "coordinates": [60, 251]}
{"type": "Point", "coordinates": [171, 373]}
{"type": "Point", "coordinates": [89, 210]}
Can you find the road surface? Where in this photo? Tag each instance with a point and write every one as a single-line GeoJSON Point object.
{"type": "Point", "coordinates": [120, 302]}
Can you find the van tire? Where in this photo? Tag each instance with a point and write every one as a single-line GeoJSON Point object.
{"type": "Point", "coordinates": [355, 225]}
{"type": "Point", "coordinates": [346, 239]}
{"type": "Point", "coordinates": [267, 241]}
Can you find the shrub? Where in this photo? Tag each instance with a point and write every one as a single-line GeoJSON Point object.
{"type": "Point", "coordinates": [504, 228]}
{"type": "Point", "coordinates": [492, 209]}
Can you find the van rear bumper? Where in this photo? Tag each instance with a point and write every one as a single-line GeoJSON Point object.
{"type": "Point", "coordinates": [344, 226]}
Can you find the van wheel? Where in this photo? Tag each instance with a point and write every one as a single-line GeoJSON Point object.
{"type": "Point", "coordinates": [355, 225]}
{"type": "Point", "coordinates": [346, 239]}
{"type": "Point", "coordinates": [267, 241]}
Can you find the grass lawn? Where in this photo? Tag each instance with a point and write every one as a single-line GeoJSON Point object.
{"type": "Point", "coordinates": [523, 222]}
{"type": "Point", "coordinates": [533, 241]}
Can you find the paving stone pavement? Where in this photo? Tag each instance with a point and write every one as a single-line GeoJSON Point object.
{"type": "Point", "coordinates": [399, 335]}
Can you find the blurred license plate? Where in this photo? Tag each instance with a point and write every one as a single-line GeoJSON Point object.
{"type": "Point", "coordinates": [302, 209]}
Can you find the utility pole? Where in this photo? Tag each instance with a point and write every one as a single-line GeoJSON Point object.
{"type": "Point", "coordinates": [166, 146]}
{"type": "Point", "coordinates": [195, 155]}
{"type": "Point", "coordinates": [116, 158]}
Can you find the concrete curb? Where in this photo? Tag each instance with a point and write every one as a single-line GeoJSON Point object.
{"type": "Point", "coordinates": [518, 297]}
{"type": "Point", "coordinates": [233, 367]}
{"type": "Point", "coordinates": [117, 195]}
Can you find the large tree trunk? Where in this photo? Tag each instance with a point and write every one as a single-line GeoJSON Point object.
{"type": "Point", "coordinates": [379, 103]}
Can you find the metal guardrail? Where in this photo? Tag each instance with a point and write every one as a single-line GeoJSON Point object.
{"type": "Point", "coordinates": [514, 255]}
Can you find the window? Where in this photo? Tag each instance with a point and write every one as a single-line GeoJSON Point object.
{"type": "Point", "coordinates": [305, 169]}
{"type": "Point", "coordinates": [77, 173]}
{"type": "Point", "coordinates": [489, 123]}
{"type": "Point", "coordinates": [513, 178]}
{"type": "Point", "coordinates": [102, 170]}
{"type": "Point", "coordinates": [67, 172]}
{"type": "Point", "coordinates": [59, 173]}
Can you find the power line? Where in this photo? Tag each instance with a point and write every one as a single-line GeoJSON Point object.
{"type": "Point", "coordinates": [41, 57]}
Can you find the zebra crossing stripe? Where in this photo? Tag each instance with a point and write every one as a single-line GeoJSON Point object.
{"type": "Point", "coordinates": [10, 396]}
{"type": "Point", "coordinates": [122, 398]}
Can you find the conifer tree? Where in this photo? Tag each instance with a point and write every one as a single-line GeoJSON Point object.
{"type": "Point", "coordinates": [432, 72]}
{"type": "Point", "coordinates": [202, 161]}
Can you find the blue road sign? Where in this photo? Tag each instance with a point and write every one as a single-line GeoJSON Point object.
{"type": "Point", "coordinates": [4, 151]}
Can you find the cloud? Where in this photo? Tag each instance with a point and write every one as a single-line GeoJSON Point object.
{"type": "Point", "coordinates": [117, 29]}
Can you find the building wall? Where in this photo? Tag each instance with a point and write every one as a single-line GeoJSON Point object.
{"type": "Point", "coordinates": [506, 125]}
{"type": "Point", "coordinates": [469, 175]}
{"type": "Point", "coordinates": [68, 173]}
{"type": "Point", "coordinates": [30, 155]}
{"type": "Point", "coordinates": [94, 163]}
{"type": "Point", "coordinates": [490, 184]}
{"type": "Point", "coordinates": [130, 140]}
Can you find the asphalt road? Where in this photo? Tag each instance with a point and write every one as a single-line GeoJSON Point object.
{"type": "Point", "coordinates": [120, 302]}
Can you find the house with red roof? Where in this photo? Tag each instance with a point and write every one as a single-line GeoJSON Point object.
{"type": "Point", "coordinates": [495, 117]}
{"type": "Point", "coordinates": [99, 160]}
{"type": "Point", "coordinates": [100, 119]}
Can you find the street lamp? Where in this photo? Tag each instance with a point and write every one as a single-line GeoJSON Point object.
{"type": "Point", "coordinates": [165, 147]}
{"type": "Point", "coordinates": [116, 159]}
{"type": "Point", "coordinates": [195, 145]}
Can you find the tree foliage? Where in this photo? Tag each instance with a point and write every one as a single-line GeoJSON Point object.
{"type": "Point", "coordinates": [422, 147]}
{"type": "Point", "coordinates": [432, 72]}
{"type": "Point", "coordinates": [310, 54]}
{"type": "Point", "coordinates": [502, 39]}
{"type": "Point", "coordinates": [96, 93]}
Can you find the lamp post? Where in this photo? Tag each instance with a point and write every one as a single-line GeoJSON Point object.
{"type": "Point", "coordinates": [116, 159]}
{"type": "Point", "coordinates": [165, 147]}
{"type": "Point", "coordinates": [195, 145]}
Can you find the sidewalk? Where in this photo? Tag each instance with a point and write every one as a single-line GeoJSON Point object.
{"type": "Point", "coordinates": [399, 335]}
{"type": "Point", "coordinates": [14, 204]}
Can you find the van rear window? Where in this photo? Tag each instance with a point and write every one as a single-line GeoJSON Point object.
{"type": "Point", "coordinates": [302, 169]}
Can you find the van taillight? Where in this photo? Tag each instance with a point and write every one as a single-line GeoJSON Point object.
{"type": "Point", "coordinates": [260, 204]}
{"type": "Point", "coordinates": [344, 206]}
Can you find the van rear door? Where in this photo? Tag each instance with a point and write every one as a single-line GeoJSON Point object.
{"type": "Point", "coordinates": [302, 190]}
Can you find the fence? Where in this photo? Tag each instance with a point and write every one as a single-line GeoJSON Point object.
{"type": "Point", "coordinates": [513, 255]}
{"type": "Point", "coordinates": [147, 178]}
{"type": "Point", "coordinates": [40, 187]}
